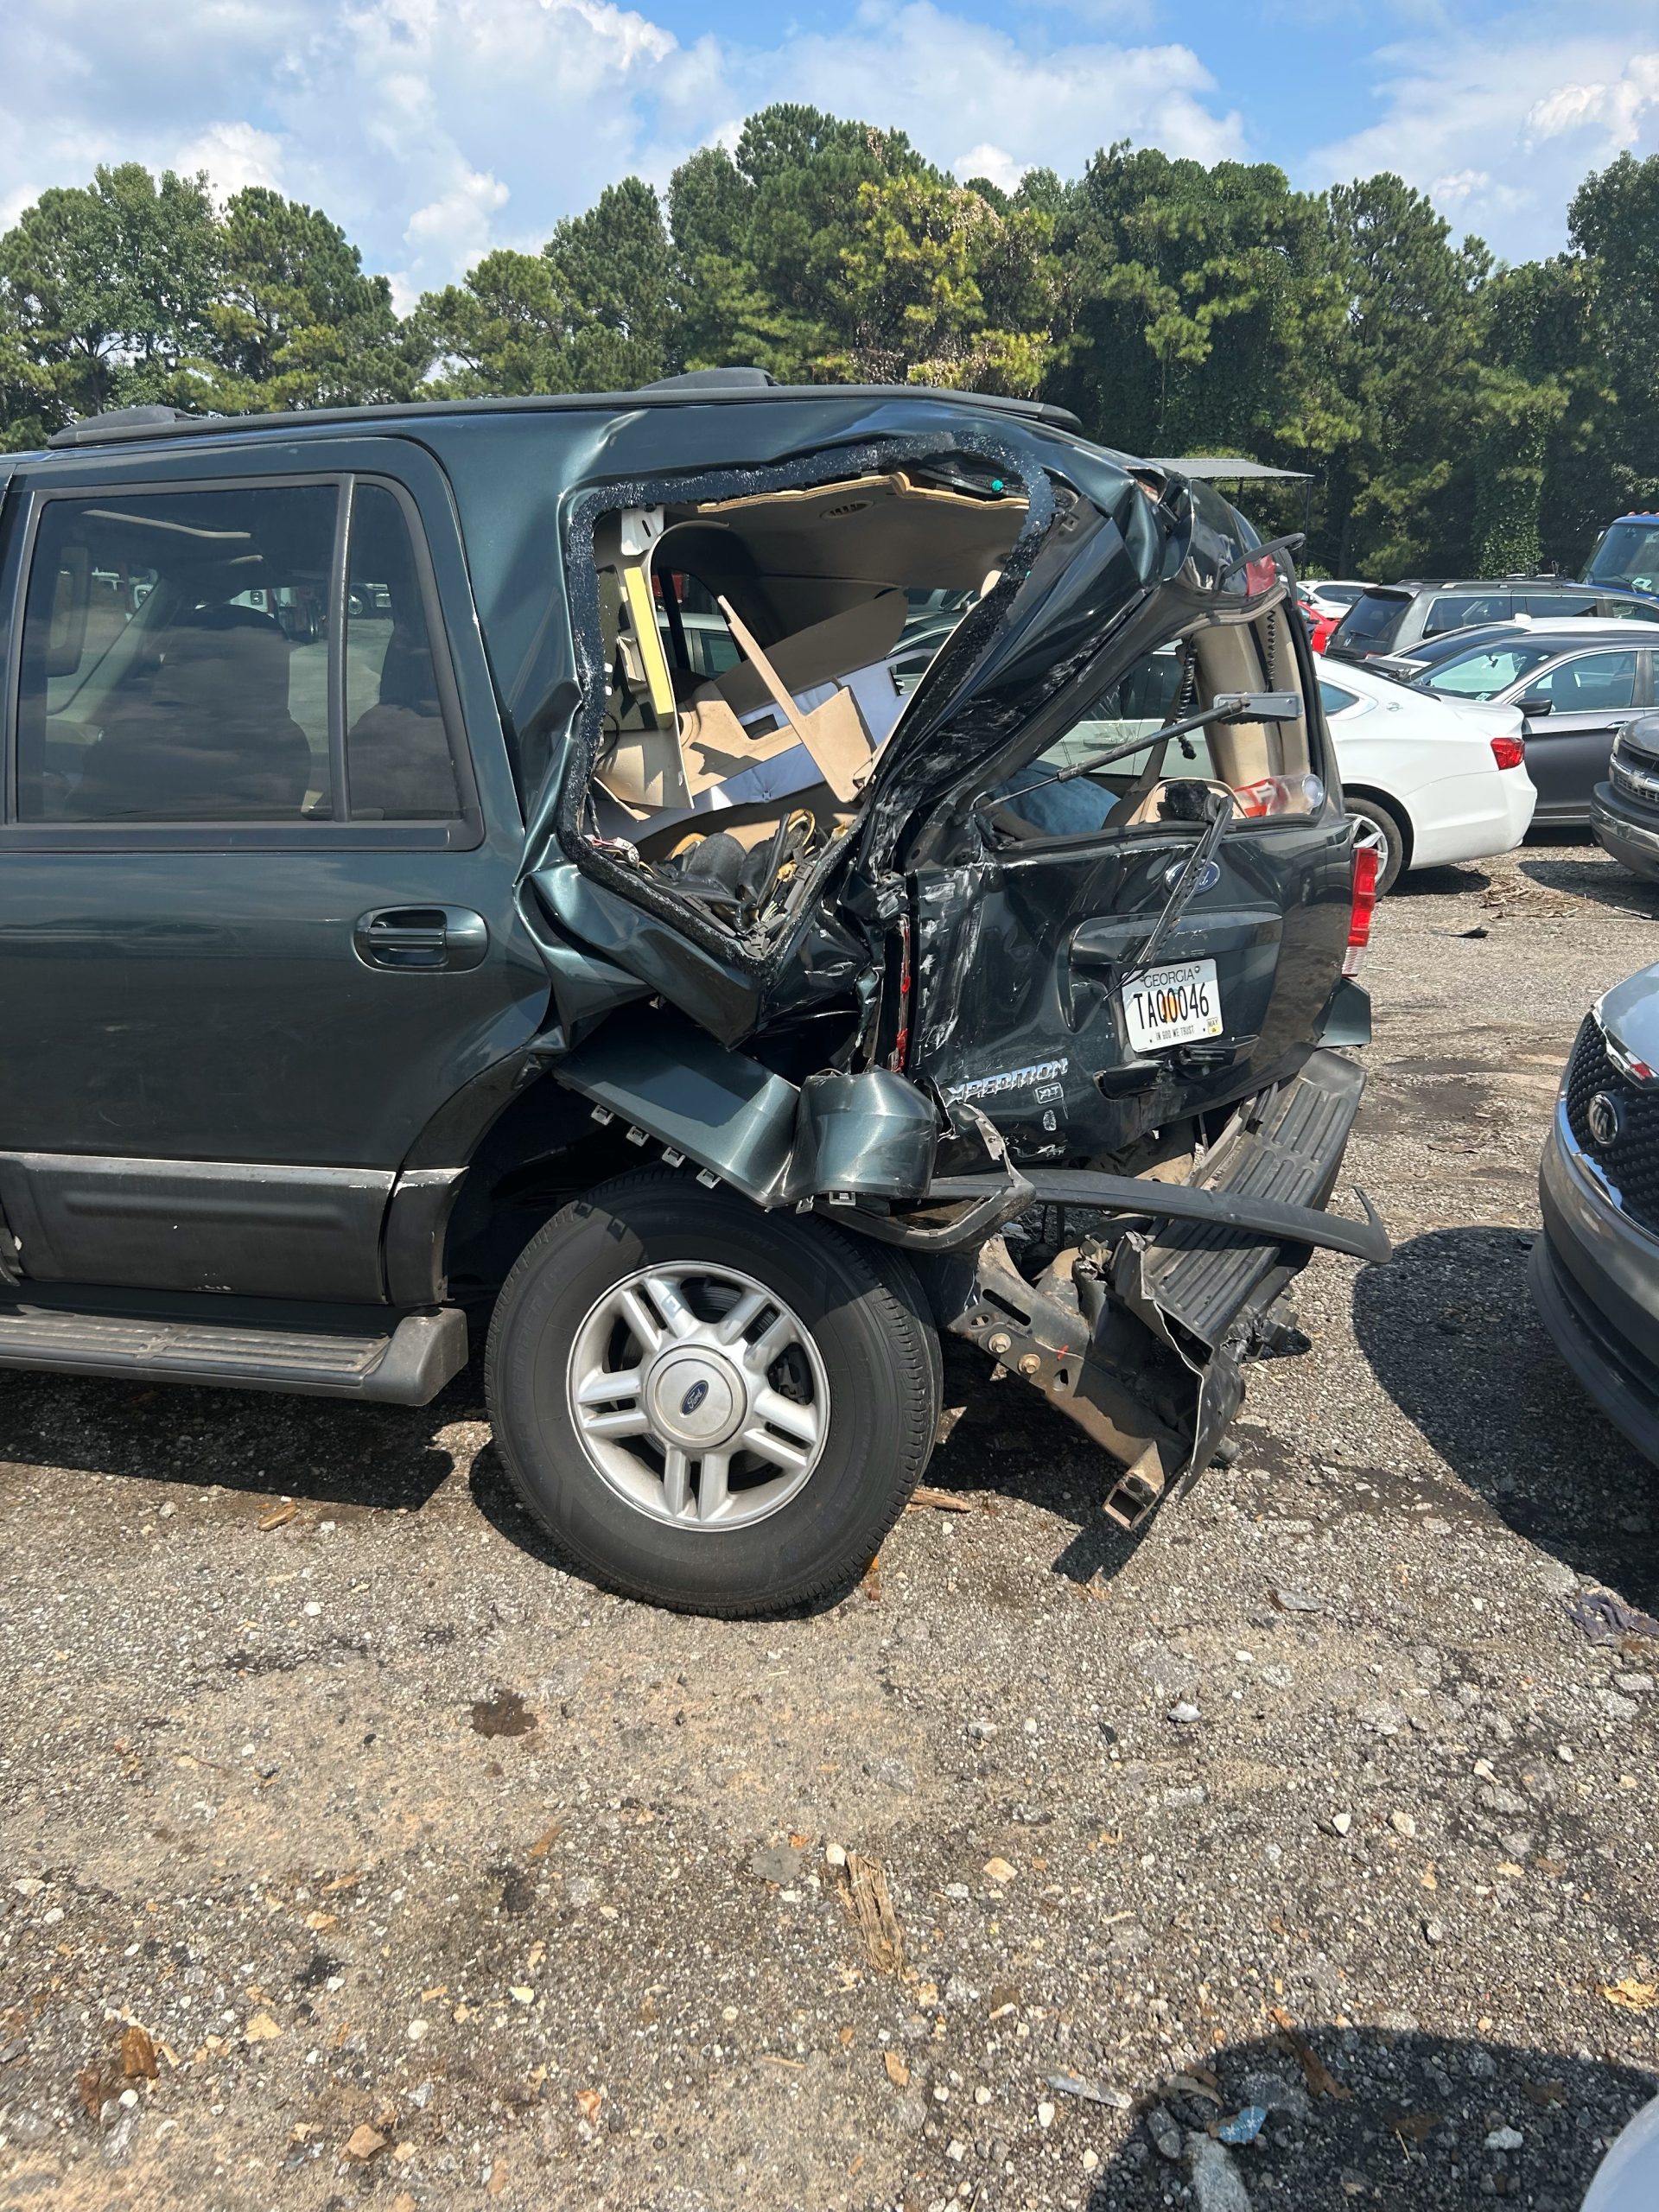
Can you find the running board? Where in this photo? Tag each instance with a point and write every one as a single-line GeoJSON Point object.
{"type": "Point", "coordinates": [404, 1365]}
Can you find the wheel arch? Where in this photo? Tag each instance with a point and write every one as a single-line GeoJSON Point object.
{"type": "Point", "coordinates": [1397, 806]}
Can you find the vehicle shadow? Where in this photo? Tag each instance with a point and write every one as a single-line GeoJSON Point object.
{"type": "Point", "coordinates": [1450, 1333]}
{"type": "Point", "coordinates": [1582, 870]}
{"type": "Point", "coordinates": [315, 1451]}
{"type": "Point", "coordinates": [1389, 2117]}
{"type": "Point", "coordinates": [1007, 1441]}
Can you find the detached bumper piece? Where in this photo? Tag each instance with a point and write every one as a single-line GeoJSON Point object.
{"type": "Point", "coordinates": [1139, 1332]}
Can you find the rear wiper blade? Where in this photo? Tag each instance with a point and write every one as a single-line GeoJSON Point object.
{"type": "Point", "coordinates": [1186, 885]}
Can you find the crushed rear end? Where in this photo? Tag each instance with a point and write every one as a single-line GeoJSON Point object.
{"type": "Point", "coordinates": [995, 899]}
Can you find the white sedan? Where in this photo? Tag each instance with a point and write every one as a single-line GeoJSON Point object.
{"type": "Point", "coordinates": [1430, 779]}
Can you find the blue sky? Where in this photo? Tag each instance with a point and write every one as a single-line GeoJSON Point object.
{"type": "Point", "coordinates": [434, 130]}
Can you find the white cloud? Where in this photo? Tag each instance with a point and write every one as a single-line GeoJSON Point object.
{"type": "Point", "coordinates": [991, 163]}
{"type": "Point", "coordinates": [1501, 121]}
{"type": "Point", "coordinates": [233, 155]}
{"type": "Point", "coordinates": [1618, 107]}
{"type": "Point", "coordinates": [434, 129]}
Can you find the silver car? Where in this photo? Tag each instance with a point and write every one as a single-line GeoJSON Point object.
{"type": "Point", "coordinates": [1595, 1270]}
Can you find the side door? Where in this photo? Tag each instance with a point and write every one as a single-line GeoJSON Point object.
{"type": "Point", "coordinates": [257, 863]}
{"type": "Point", "coordinates": [1573, 709]}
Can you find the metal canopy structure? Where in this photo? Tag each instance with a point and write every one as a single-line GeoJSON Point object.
{"type": "Point", "coordinates": [1234, 469]}
{"type": "Point", "coordinates": [1230, 468]}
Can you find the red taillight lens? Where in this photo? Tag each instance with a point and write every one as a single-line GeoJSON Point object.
{"type": "Point", "coordinates": [1509, 752]}
{"type": "Point", "coordinates": [1364, 905]}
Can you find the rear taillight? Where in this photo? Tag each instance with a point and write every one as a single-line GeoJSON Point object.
{"type": "Point", "coordinates": [1509, 752]}
{"type": "Point", "coordinates": [1364, 905]}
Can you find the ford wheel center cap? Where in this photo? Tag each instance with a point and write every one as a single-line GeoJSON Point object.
{"type": "Point", "coordinates": [696, 1400]}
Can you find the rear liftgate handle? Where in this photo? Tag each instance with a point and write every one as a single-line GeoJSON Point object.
{"type": "Point", "coordinates": [412, 937]}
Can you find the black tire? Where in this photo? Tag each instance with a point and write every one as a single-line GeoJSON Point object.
{"type": "Point", "coordinates": [865, 1318]}
{"type": "Point", "coordinates": [1387, 829]}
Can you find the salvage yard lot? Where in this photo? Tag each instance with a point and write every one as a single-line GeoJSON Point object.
{"type": "Point", "coordinates": [434, 1878]}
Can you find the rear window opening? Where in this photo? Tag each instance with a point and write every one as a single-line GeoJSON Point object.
{"type": "Point", "coordinates": [759, 651]}
{"type": "Point", "coordinates": [1268, 768]}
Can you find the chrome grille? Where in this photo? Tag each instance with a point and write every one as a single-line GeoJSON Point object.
{"type": "Point", "coordinates": [1630, 1166]}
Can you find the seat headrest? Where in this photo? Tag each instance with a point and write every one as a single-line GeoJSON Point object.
{"type": "Point", "coordinates": [230, 661]}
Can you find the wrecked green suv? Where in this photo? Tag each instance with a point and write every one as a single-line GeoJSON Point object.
{"type": "Point", "coordinates": [715, 885]}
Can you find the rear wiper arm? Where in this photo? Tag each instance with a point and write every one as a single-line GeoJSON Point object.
{"type": "Point", "coordinates": [1186, 884]}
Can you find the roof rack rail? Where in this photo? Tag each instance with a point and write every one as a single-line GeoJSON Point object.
{"type": "Point", "coordinates": [732, 379]}
{"type": "Point", "coordinates": [91, 428]}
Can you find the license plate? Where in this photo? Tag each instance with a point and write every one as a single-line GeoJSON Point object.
{"type": "Point", "coordinates": [1172, 1006]}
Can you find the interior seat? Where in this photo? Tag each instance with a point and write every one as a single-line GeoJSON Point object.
{"type": "Point", "coordinates": [398, 759]}
{"type": "Point", "coordinates": [209, 735]}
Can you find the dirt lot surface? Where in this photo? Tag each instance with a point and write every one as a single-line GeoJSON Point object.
{"type": "Point", "coordinates": [350, 1855]}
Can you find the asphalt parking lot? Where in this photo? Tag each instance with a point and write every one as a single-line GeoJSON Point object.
{"type": "Point", "coordinates": [352, 1855]}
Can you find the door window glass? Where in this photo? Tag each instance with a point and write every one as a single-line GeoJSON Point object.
{"type": "Point", "coordinates": [1551, 606]}
{"type": "Point", "coordinates": [1459, 610]}
{"type": "Point", "coordinates": [1593, 683]}
{"type": "Point", "coordinates": [398, 766]}
{"type": "Point", "coordinates": [1334, 700]}
{"type": "Point", "coordinates": [173, 659]}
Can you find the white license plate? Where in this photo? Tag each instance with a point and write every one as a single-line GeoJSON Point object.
{"type": "Point", "coordinates": [1172, 1006]}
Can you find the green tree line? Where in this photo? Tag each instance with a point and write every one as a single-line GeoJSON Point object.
{"type": "Point", "coordinates": [1455, 414]}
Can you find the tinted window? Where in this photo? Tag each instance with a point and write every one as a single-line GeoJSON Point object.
{"type": "Point", "coordinates": [1334, 700]}
{"type": "Point", "coordinates": [1457, 610]}
{"type": "Point", "coordinates": [1628, 554]}
{"type": "Point", "coordinates": [397, 761]}
{"type": "Point", "coordinates": [1625, 610]}
{"type": "Point", "coordinates": [1591, 683]}
{"type": "Point", "coordinates": [1371, 620]}
{"type": "Point", "coordinates": [1484, 673]}
{"type": "Point", "coordinates": [173, 664]}
{"type": "Point", "coordinates": [1549, 604]}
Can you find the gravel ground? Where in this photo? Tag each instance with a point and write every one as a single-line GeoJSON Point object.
{"type": "Point", "coordinates": [354, 1855]}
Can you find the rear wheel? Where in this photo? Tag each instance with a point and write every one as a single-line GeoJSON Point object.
{"type": "Point", "coordinates": [1381, 830]}
{"type": "Point", "coordinates": [705, 1405]}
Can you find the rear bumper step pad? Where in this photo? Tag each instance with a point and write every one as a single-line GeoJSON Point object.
{"type": "Point", "coordinates": [405, 1365]}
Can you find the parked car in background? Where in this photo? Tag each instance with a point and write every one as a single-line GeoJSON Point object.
{"type": "Point", "coordinates": [1624, 810]}
{"type": "Point", "coordinates": [1334, 596]}
{"type": "Point", "coordinates": [1627, 553]}
{"type": "Point", "coordinates": [1594, 1273]}
{"type": "Point", "coordinates": [1575, 686]}
{"type": "Point", "coordinates": [1627, 2180]}
{"type": "Point", "coordinates": [1320, 620]}
{"type": "Point", "coordinates": [1429, 780]}
{"type": "Point", "coordinates": [1394, 618]}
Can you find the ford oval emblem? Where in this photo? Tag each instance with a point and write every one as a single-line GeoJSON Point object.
{"type": "Point", "coordinates": [694, 1397]}
{"type": "Point", "coordinates": [1206, 878]}
{"type": "Point", "coordinates": [1605, 1116]}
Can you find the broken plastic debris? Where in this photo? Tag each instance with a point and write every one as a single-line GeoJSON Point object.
{"type": "Point", "coordinates": [1094, 2092]}
{"type": "Point", "coordinates": [1606, 1619]}
{"type": "Point", "coordinates": [1244, 2126]}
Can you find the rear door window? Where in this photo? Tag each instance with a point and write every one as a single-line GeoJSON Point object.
{"type": "Point", "coordinates": [1550, 605]}
{"type": "Point", "coordinates": [181, 697]}
{"type": "Point", "coordinates": [1334, 699]}
{"type": "Point", "coordinates": [180, 662]}
{"type": "Point", "coordinates": [1454, 610]}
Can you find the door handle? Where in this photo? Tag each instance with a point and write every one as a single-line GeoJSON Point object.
{"type": "Point", "coordinates": [415, 937]}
